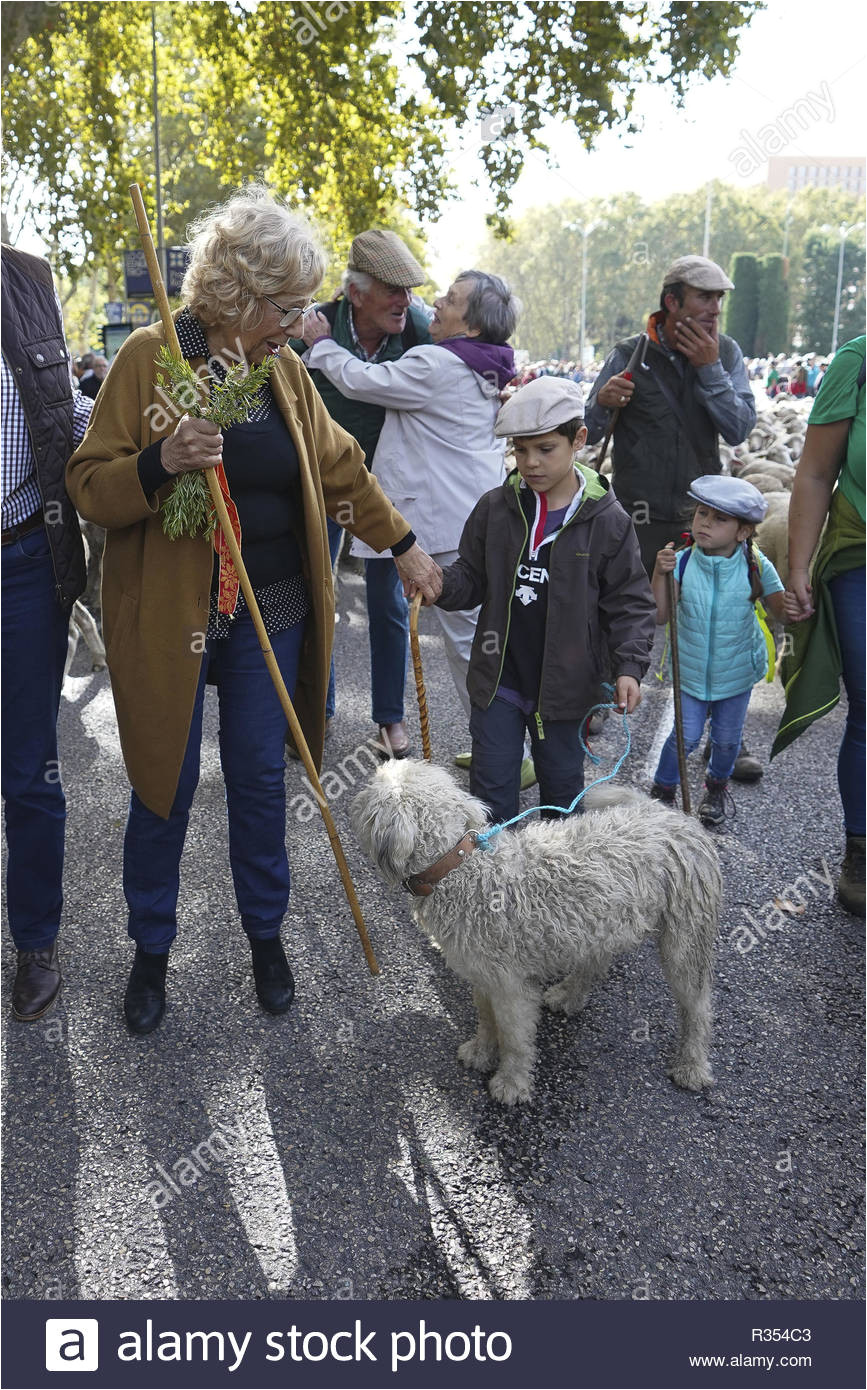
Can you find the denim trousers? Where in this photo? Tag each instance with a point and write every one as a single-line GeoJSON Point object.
{"type": "Point", "coordinates": [847, 596]}
{"type": "Point", "coordinates": [727, 719]}
{"type": "Point", "coordinates": [335, 536]}
{"type": "Point", "coordinates": [252, 739]}
{"type": "Point", "coordinates": [388, 626]}
{"type": "Point", "coordinates": [498, 749]}
{"type": "Point", "coordinates": [34, 644]}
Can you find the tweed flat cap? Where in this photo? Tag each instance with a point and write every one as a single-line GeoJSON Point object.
{"type": "Point", "coordinates": [384, 256]}
{"type": "Point", "coordinates": [540, 407]}
{"type": "Point", "coordinates": [734, 496]}
{"type": "Point", "coordinates": [698, 272]}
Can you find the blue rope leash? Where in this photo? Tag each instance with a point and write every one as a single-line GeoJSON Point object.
{"type": "Point", "coordinates": [484, 836]}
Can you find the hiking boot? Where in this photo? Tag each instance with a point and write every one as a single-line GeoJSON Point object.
{"type": "Point", "coordinates": [667, 795]}
{"type": "Point", "coordinates": [712, 807]}
{"type": "Point", "coordinates": [850, 885]}
{"type": "Point", "coordinates": [747, 767]}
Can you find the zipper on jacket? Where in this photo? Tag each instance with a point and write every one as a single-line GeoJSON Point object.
{"type": "Point", "coordinates": [511, 597]}
{"type": "Point", "coordinates": [545, 642]}
{"type": "Point", "coordinates": [712, 627]}
{"type": "Point", "coordinates": [540, 728]}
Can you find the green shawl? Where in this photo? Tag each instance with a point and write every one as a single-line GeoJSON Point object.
{"type": "Point", "coordinates": [812, 666]}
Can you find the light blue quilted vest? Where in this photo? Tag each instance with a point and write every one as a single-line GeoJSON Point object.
{"type": "Point", "coordinates": [721, 645]}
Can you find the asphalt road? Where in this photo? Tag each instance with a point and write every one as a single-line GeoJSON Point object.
{"type": "Point", "coordinates": [343, 1152]}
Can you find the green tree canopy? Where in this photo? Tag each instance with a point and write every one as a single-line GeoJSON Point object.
{"type": "Point", "coordinates": [345, 107]}
{"type": "Point", "coordinates": [741, 312]}
{"type": "Point", "coordinates": [634, 242]}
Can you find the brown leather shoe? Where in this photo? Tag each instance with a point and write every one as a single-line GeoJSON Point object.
{"type": "Point", "coordinates": [37, 983]}
{"type": "Point", "coordinates": [393, 740]}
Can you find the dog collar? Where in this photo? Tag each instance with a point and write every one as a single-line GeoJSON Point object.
{"type": "Point", "coordinates": [422, 885]}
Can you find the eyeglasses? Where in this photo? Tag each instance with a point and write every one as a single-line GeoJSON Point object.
{"type": "Point", "coordinates": [289, 315]}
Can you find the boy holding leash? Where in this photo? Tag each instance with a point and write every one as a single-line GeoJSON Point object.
{"type": "Point", "coordinates": [553, 559]}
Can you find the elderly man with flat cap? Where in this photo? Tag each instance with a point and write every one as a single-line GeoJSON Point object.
{"type": "Point", "coordinates": [692, 388]}
{"type": "Point", "coordinates": [375, 319]}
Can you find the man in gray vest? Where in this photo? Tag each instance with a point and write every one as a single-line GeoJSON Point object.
{"type": "Point", "coordinates": [692, 388]}
{"type": "Point", "coordinates": [43, 572]}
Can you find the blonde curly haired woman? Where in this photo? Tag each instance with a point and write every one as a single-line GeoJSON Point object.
{"type": "Point", "coordinates": [255, 265]}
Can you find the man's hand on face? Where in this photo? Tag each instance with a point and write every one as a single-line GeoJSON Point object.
{"type": "Point", "coordinates": [698, 345]}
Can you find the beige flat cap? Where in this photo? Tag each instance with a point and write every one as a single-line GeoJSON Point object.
{"type": "Point", "coordinates": [698, 272]}
{"type": "Point", "coordinates": [384, 256]}
{"type": "Point", "coordinates": [540, 407]}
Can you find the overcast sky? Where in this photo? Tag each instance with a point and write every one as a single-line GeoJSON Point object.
{"type": "Point", "coordinates": [795, 49]}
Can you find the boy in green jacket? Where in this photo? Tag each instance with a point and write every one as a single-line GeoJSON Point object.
{"type": "Point", "coordinates": [554, 561]}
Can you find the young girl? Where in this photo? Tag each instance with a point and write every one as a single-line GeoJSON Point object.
{"type": "Point", "coordinates": [723, 648]}
{"type": "Point", "coordinates": [553, 559]}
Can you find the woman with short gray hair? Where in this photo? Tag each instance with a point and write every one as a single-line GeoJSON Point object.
{"type": "Point", "coordinates": [437, 453]}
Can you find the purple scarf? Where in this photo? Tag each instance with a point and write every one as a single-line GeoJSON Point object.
{"type": "Point", "coordinates": [492, 360]}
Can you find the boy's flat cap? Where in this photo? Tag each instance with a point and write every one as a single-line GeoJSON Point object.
{"type": "Point", "coordinates": [698, 272]}
{"type": "Point", "coordinates": [734, 496]}
{"type": "Point", "coordinates": [540, 407]}
{"type": "Point", "coordinates": [384, 256]}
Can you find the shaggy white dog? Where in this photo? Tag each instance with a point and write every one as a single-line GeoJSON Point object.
{"type": "Point", "coordinates": [550, 901]}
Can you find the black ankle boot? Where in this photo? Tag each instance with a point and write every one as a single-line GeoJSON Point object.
{"type": "Point", "coordinates": [145, 1000]}
{"type": "Point", "coordinates": [274, 983]}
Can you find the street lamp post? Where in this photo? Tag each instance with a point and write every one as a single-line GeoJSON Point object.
{"type": "Point", "coordinates": [586, 229]}
{"type": "Point", "coordinates": [844, 232]}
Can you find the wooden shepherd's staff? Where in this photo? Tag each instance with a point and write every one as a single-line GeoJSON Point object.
{"type": "Point", "coordinates": [632, 366]}
{"type": "Point", "coordinates": [675, 681]}
{"type": "Point", "coordinates": [419, 676]}
{"type": "Point", "coordinates": [247, 588]}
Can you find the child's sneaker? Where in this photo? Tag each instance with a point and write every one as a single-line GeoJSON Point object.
{"type": "Point", "coordinates": [667, 795]}
{"type": "Point", "coordinates": [712, 807]}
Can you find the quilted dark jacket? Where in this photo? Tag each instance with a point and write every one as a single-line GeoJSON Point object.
{"type": "Point", "coordinates": [601, 612]}
{"type": "Point", "coordinates": [36, 354]}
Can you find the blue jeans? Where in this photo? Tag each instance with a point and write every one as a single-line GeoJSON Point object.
{"type": "Point", "coordinates": [335, 536]}
{"type": "Point", "coordinates": [252, 738]}
{"type": "Point", "coordinates": [388, 624]}
{"type": "Point", "coordinates": [847, 596]}
{"type": "Point", "coordinates": [727, 719]}
{"type": "Point", "coordinates": [34, 639]}
{"type": "Point", "coordinates": [498, 750]}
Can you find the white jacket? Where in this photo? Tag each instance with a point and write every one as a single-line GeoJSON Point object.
{"type": "Point", "coordinates": [437, 452]}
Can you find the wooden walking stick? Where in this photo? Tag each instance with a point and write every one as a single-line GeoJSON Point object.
{"type": "Point", "coordinates": [635, 361]}
{"type": "Point", "coordinates": [419, 676]}
{"type": "Point", "coordinates": [247, 589]}
{"type": "Point", "coordinates": [675, 681]}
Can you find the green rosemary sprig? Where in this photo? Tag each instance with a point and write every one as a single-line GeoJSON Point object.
{"type": "Point", "coordinates": [188, 509]}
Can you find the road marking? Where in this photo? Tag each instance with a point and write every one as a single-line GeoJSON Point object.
{"type": "Point", "coordinates": [663, 729]}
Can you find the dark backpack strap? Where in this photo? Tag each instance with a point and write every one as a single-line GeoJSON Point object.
{"type": "Point", "coordinates": [683, 562]}
{"type": "Point", "coordinates": [862, 375]}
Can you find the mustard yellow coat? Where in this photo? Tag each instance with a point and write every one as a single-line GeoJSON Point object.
{"type": "Point", "coordinates": [155, 591]}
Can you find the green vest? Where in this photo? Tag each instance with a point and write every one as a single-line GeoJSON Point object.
{"type": "Point", "coordinates": [361, 419]}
